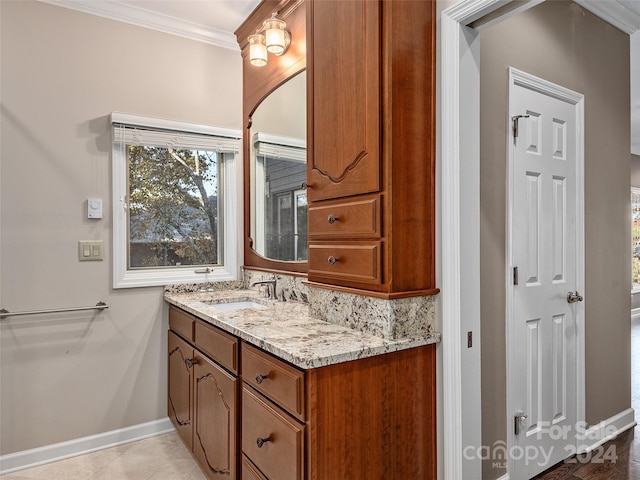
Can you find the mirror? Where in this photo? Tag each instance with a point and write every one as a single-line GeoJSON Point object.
{"type": "Point", "coordinates": [278, 169]}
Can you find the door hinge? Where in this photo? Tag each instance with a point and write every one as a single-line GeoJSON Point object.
{"type": "Point", "coordinates": [514, 124]}
{"type": "Point", "coordinates": [515, 275]}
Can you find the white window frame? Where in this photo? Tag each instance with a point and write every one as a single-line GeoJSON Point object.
{"type": "Point", "coordinates": [262, 145]}
{"type": "Point", "coordinates": [229, 267]}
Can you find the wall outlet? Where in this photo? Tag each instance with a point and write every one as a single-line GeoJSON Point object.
{"type": "Point", "coordinates": [90, 250]}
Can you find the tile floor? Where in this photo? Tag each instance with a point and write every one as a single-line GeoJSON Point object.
{"type": "Point", "coordinates": [165, 458]}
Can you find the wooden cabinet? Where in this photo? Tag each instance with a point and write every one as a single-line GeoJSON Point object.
{"type": "Point", "coordinates": [273, 391]}
{"type": "Point", "coordinates": [271, 439]}
{"type": "Point", "coordinates": [373, 418]}
{"type": "Point", "coordinates": [370, 100]}
{"type": "Point", "coordinates": [359, 218]}
{"type": "Point", "coordinates": [343, 64]}
{"type": "Point", "coordinates": [366, 419]}
{"type": "Point", "coordinates": [216, 419]}
{"type": "Point", "coordinates": [277, 380]}
{"type": "Point", "coordinates": [249, 471]}
{"type": "Point", "coordinates": [180, 398]}
{"type": "Point", "coordinates": [203, 396]}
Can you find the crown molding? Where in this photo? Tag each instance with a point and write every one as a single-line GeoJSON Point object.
{"type": "Point", "coordinates": [142, 17]}
{"type": "Point", "coordinates": [615, 13]}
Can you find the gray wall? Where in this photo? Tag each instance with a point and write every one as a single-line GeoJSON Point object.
{"type": "Point", "coordinates": [62, 74]}
{"type": "Point", "coordinates": [563, 43]}
{"type": "Point", "coordinates": [635, 171]}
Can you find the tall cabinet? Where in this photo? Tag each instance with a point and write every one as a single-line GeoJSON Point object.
{"type": "Point", "coordinates": [371, 163]}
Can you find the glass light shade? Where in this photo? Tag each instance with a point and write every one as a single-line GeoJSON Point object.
{"type": "Point", "coordinates": [276, 35]}
{"type": "Point", "coordinates": [257, 50]}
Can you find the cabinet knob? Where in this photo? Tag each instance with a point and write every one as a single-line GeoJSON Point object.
{"type": "Point", "coordinates": [190, 362]}
{"type": "Point", "coordinates": [261, 378]}
{"type": "Point", "coordinates": [332, 219]}
{"type": "Point", "coordinates": [332, 260]}
{"type": "Point", "coordinates": [261, 441]}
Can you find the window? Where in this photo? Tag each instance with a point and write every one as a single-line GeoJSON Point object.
{"type": "Point", "coordinates": [280, 170]}
{"type": "Point", "coordinates": [635, 238]}
{"type": "Point", "coordinates": [175, 202]}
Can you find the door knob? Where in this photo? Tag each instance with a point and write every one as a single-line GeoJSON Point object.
{"type": "Point", "coordinates": [573, 297]}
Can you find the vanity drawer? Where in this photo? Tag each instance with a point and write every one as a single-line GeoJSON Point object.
{"type": "Point", "coordinates": [219, 345]}
{"type": "Point", "coordinates": [281, 382]}
{"type": "Point", "coordinates": [353, 262]}
{"type": "Point", "coordinates": [181, 322]}
{"type": "Point", "coordinates": [355, 219]}
{"type": "Point", "coordinates": [249, 470]}
{"type": "Point", "coordinates": [281, 455]}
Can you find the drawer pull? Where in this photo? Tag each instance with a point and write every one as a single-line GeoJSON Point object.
{"type": "Point", "coordinates": [261, 378]}
{"type": "Point", "coordinates": [332, 219]}
{"type": "Point", "coordinates": [261, 441]}
{"type": "Point", "coordinates": [190, 362]}
{"type": "Point", "coordinates": [332, 260]}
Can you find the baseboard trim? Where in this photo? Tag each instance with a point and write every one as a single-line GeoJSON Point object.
{"type": "Point", "coordinates": [606, 430]}
{"type": "Point", "coordinates": [13, 462]}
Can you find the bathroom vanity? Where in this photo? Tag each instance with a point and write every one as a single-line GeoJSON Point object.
{"type": "Point", "coordinates": [268, 392]}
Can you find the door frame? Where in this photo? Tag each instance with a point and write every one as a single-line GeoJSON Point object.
{"type": "Point", "coordinates": [459, 184]}
{"type": "Point", "coordinates": [518, 78]}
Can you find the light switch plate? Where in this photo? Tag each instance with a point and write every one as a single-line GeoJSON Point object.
{"type": "Point", "coordinates": [90, 250]}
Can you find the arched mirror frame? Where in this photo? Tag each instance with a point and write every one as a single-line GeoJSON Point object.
{"type": "Point", "coordinates": [257, 84]}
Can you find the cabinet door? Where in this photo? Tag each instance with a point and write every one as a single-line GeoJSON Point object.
{"type": "Point", "coordinates": [180, 404]}
{"type": "Point", "coordinates": [344, 94]}
{"type": "Point", "coordinates": [216, 420]}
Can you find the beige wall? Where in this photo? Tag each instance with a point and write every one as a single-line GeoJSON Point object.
{"type": "Point", "coordinates": [63, 72]}
{"type": "Point", "coordinates": [563, 43]}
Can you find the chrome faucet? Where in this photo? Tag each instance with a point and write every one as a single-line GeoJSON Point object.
{"type": "Point", "coordinates": [270, 292]}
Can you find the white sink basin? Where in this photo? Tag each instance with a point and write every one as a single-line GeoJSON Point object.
{"type": "Point", "coordinates": [240, 305]}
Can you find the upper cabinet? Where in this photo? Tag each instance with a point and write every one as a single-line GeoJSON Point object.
{"type": "Point", "coordinates": [344, 91]}
{"type": "Point", "coordinates": [365, 216]}
{"type": "Point", "coordinates": [370, 156]}
{"type": "Point", "coordinates": [275, 142]}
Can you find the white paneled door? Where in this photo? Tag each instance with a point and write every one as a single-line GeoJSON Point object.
{"type": "Point", "coordinates": [545, 273]}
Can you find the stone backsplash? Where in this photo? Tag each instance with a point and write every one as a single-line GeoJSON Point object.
{"type": "Point", "coordinates": [409, 317]}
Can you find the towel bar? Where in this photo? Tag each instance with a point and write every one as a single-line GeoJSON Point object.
{"type": "Point", "coordinates": [98, 306]}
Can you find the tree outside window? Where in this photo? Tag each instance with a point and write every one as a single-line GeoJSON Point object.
{"type": "Point", "coordinates": [173, 206]}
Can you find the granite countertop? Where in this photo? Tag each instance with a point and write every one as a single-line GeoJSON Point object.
{"type": "Point", "coordinates": [286, 329]}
